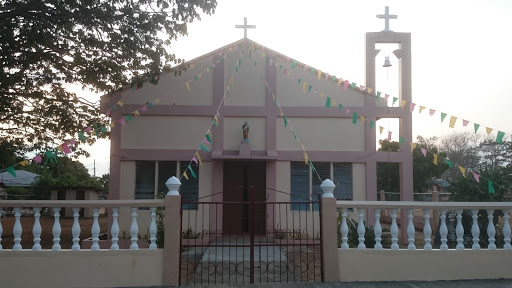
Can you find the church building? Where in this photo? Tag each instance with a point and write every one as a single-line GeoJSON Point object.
{"type": "Point", "coordinates": [245, 115]}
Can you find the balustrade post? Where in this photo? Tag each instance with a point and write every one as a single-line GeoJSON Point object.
{"type": "Point", "coordinates": [506, 230]}
{"type": "Point", "coordinates": [56, 229]}
{"type": "Point", "coordinates": [491, 231]}
{"type": "Point", "coordinates": [443, 231]}
{"type": "Point", "coordinates": [36, 230]}
{"type": "Point", "coordinates": [114, 230]}
{"type": "Point", "coordinates": [1, 230]}
{"type": "Point", "coordinates": [410, 229]}
{"type": "Point", "coordinates": [17, 230]}
{"type": "Point", "coordinates": [134, 230]}
{"type": "Point", "coordinates": [459, 230]}
{"type": "Point", "coordinates": [153, 230]}
{"type": "Point", "coordinates": [328, 226]}
{"type": "Point", "coordinates": [75, 230]}
{"type": "Point", "coordinates": [427, 230]}
{"type": "Point", "coordinates": [377, 229]}
{"type": "Point", "coordinates": [95, 230]}
{"type": "Point", "coordinates": [172, 228]}
{"type": "Point", "coordinates": [344, 229]}
{"type": "Point", "coordinates": [475, 230]}
{"type": "Point", "coordinates": [394, 230]}
{"type": "Point", "coordinates": [361, 230]}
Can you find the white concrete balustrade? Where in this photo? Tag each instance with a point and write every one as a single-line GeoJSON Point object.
{"type": "Point", "coordinates": [407, 209]}
{"type": "Point", "coordinates": [76, 205]}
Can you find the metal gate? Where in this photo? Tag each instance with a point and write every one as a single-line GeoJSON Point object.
{"type": "Point", "coordinates": [220, 246]}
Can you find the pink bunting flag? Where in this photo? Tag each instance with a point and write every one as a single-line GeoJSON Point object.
{"type": "Point", "coordinates": [465, 122]}
{"type": "Point", "coordinates": [71, 142]}
{"type": "Point", "coordinates": [121, 121]}
{"type": "Point", "coordinates": [316, 92]}
{"type": "Point", "coordinates": [38, 159]}
{"type": "Point", "coordinates": [205, 141]}
{"type": "Point", "coordinates": [362, 88]}
{"type": "Point", "coordinates": [107, 113]}
{"type": "Point", "coordinates": [345, 85]}
{"type": "Point", "coordinates": [412, 106]}
{"type": "Point", "coordinates": [386, 96]}
{"type": "Point", "coordinates": [424, 151]}
{"type": "Point", "coordinates": [195, 160]}
{"type": "Point", "coordinates": [431, 112]}
{"type": "Point", "coordinates": [65, 148]}
{"type": "Point", "coordinates": [326, 76]}
{"type": "Point", "coordinates": [88, 129]}
{"type": "Point", "coordinates": [477, 177]}
{"type": "Point", "coordinates": [143, 108]}
{"type": "Point", "coordinates": [348, 111]}
{"type": "Point", "coordinates": [163, 97]}
{"type": "Point", "coordinates": [389, 135]}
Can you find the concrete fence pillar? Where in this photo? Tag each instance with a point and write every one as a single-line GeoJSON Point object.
{"type": "Point", "coordinates": [172, 226]}
{"type": "Point", "coordinates": [329, 226]}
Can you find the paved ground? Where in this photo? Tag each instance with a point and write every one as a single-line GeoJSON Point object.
{"type": "Point", "coordinates": [408, 284]}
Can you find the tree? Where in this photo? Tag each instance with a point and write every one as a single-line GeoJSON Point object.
{"type": "Point", "coordinates": [101, 45]}
{"type": "Point", "coordinates": [461, 149]}
{"type": "Point", "coordinates": [424, 170]}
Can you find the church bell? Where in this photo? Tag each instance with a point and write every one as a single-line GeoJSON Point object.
{"type": "Point", "coordinates": [387, 63]}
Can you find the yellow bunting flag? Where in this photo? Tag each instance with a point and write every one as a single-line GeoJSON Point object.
{"type": "Point", "coordinates": [157, 100]}
{"type": "Point", "coordinates": [24, 163]}
{"type": "Point", "coordinates": [306, 159]}
{"type": "Point", "coordinates": [463, 171]}
{"type": "Point", "coordinates": [453, 119]}
{"type": "Point", "coordinates": [120, 103]}
{"type": "Point", "coordinates": [381, 129]}
{"type": "Point", "coordinates": [111, 125]}
{"type": "Point", "coordinates": [59, 148]}
{"type": "Point", "coordinates": [340, 81]}
{"type": "Point", "coordinates": [363, 119]}
{"type": "Point", "coordinates": [422, 108]}
{"type": "Point", "coordinates": [403, 103]}
{"type": "Point", "coordinates": [136, 113]}
{"type": "Point", "coordinates": [322, 95]}
{"type": "Point", "coordinates": [216, 120]}
{"type": "Point", "coordinates": [319, 74]}
{"type": "Point", "coordinates": [435, 159]}
{"type": "Point", "coordinates": [370, 90]}
{"type": "Point", "coordinates": [304, 87]}
{"type": "Point", "coordinates": [413, 146]}
{"type": "Point", "coordinates": [188, 86]}
{"type": "Point", "coordinates": [333, 103]}
{"type": "Point", "coordinates": [282, 113]}
{"type": "Point", "coordinates": [185, 174]}
{"type": "Point", "coordinates": [199, 158]}
{"type": "Point", "coordinates": [488, 130]}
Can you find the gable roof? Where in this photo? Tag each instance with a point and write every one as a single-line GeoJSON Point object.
{"type": "Point", "coordinates": [23, 178]}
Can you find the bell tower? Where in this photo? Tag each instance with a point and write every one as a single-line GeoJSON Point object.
{"type": "Point", "coordinates": [404, 157]}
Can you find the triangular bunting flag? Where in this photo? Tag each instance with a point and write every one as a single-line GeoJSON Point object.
{"type": "Point", "coordinates": [50, 157]}
{"type": "Point", "coordinates": [319, 74]}
{"type": "Point", "coordinates": [422, 108]}
{"type": "Point", "coordinates": [11, 171]}
{"type": "Point", "coordinates": [443, 115]}
{"type": "Point", "coordinates": [431, 112]}
{"type": "Point", "coordinates": [195, 160]}
{"type": "Point", "coordinates": [499, 137]}
{"type": "Point", "coordinates": [81, 136]}
{"type": "Point", "coordinates": [413, 146]}
{"type": "Point", "coordinates": [340, 81]}
{"type": "Point", "coordinates": [65, 148]}
{"type": "Point", "coordinates": [312, 167]}
{"type": "Point", "coordinates": [204, 148]}
{"type": "Point", "coordinates": [345, 85]}
{"type": "Point", "coordinates": [389, 135]}
{"type": "Point", "coordinates": [386, 96]}
{"type": "Point", "coordinates": [476, 176]}
{"type": "Point", "coordinates": [328, 102]}
{"type": "Point", "coordinates": [26, 162]}
{"type": "Point", "coordinates": [401, 140]}
{"type": "Point", "coordinates": [381, 129]}
{"type": "Point", "coordinates": [37, 159]}
{"type": "Point", "coordinates": [378, 95]}
{"type": "Point", "coordinates": [402, 104]}
{"type": "Point", "coordinates": [285, 120]}
{"type": "Point", "coordinates": [450, 163]}
{"type": "Point", "coordinates": [306, 158]}
{"type": "Point", "coordinates": [341, 107]}
{"type": "Point", "coordinates": [394, 101]}
{"type": "Point", "coordinates": [208, 138]}
{"type": "Point", "coordinates": [476, 126]}
{"type": "Point", "coordinates": [370, 90]}
{"type": "Point", "coordinates": [453, 119]}
{"type": "Point", "coordinates": [465, 122]}
{"type": "Point", "coordinates": [412, 106]}
{"type": "Point", "coordinates": [362, 88]}
{"type": "Point", "coordinates": [354, 118]}
{"type": "Point", "coordinates": [185, 174]}
{"type": "Point", "coordinates": [304, 87]}
{"type": "Point", "coordinates": [363, 119]}
{"type": "Point", "coordinates": [488, 130]}
{"type": "Point", "coordinates": [372, 124]}
{"type": "Point", "coordinates": [462, 170]}
{"type": "Point", "coordinates": [435, 159]}
{"type": "Point", "coordinates": [353, 85]}
{"type": "Point", "coordinates": [199, 158]}
{"type": "Point", "coordinates": [491, 187]}
{"type": "Point", "coordinates": [192, 171]}
{"type": "Point", "coordinates": [187, 85]}
{"type": "Point", "coordinates": [424, 151]}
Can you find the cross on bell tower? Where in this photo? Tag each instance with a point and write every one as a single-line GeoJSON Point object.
{"type": "Point", "coordinates": [245, 26]}
{"type": "Point", "coordinates": [386, 17]}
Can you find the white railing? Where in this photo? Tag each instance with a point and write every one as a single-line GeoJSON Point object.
{"type": "Point", "coordinates": [76, 205]}
{"type": "Point", "coordinates": [375, 207]}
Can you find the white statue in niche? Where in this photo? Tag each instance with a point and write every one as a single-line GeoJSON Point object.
{"type": "Point", "coordinates": [245, 132]}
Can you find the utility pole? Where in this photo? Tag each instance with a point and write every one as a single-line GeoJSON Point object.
{"type": "Point", "coordinates": [94, 169]}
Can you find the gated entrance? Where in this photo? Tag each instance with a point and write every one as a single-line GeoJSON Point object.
{"type": "Point", "coordinates": [279, 241]}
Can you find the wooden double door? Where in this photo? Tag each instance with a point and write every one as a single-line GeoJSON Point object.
{"type": "Point", "coordinates": [239, 177]}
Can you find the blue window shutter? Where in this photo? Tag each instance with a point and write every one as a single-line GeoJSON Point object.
{"type": "Point", "coordinates": [299, 185]}
{"type": "Point", "coordinates": [342, 174]}
{"type": "Point", "coordinates": [324, 171]}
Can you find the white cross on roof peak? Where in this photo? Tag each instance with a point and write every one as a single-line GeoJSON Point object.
{"type": "Point", "coordinates": [245, 26]}
{"type": "Point", "coordinates": [386, 17]}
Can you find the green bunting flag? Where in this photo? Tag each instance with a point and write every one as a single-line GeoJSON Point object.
{"type": "Point", "coordinates": [50, 157]}
{"type": "Point", "coordinates": [378, 95]}
{"type": "Point", "coordinates": [354, 117]}
{"type": "Point", "coordinates": [491, 187]}
{"type": "Point", "coordinates": [313, 70]}
{"type": "Point", "coordinates": [103, 129]}
{"type": "Point", "coordinates": [285, 120]}
{"type": "Point", "coordinates": [353, 85]}
{"type": "Point", "coordinates": [312, 167]}
{"type": "Point", "coordinates": [294, 64]}
{"type": "Point", "coordinates": [81, 136]}
{"type": "Point", "coordinates": [333, 78]}
{"type": "Point", "coordinates": [476, 127]}
{"type": "Point", "coordinates": [275, 102]}
{"type": "Point", "coordinates": [499, 137]}
{"type": "Point", "coordinates": [372, 124]}
{"type": "Point", "coordinates": [294, 135]}
{"type": "Point", "coordinates": [196, 78]}
{"type": "Point", "coordinates": [341, 107]}
{"type": "Point", "coordinates": [11, 171]}
{"type": "Point", "coordinates": [128, 118]}
{"type": "Point", "coordinates": [280, 67]}
{"type": "Point", "coordinates": [443, 115]}
{"type": "Point", "coordinates": [328, 102]}
{"type": "Point", "coordinates": [192, 172]}
{"type": "Point", "coordinates": [204, 148]}
{"type": "Point", "coordinates": [394, 101]}
{"type": "Point", "coordinates": [402, 140]}
{"type": "Point", "coordinates": [450, 164]}
{"type": "Point", "coordinates": [208, 138]}
{"type": "Point", "coordinates": [310, 88]}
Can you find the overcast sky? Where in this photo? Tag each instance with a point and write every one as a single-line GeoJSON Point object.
{"type": "Point", "coordinates": [461, 64]}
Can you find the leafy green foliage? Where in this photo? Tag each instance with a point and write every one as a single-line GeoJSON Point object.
{"type": "Point", "coordinates": [98, 44]}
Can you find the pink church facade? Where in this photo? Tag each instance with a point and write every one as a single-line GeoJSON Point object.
{"type": "Point", "coordinates": [239, 83]}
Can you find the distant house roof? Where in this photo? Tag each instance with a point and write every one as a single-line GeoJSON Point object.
{"type": "Point", "coordinates": [23, 178]}
{"type": "Point", "coordinates": [441, 182]}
